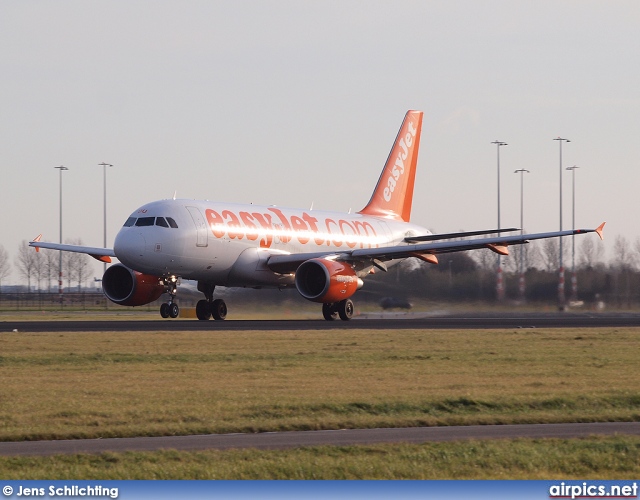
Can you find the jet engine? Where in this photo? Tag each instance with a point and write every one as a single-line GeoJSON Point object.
{"type": "Point", "coordinates": [322, 280]}
{"type": "Point", "coordinates": [126, 287]}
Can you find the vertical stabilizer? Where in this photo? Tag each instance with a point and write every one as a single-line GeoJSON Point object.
{"type": "Point", "coordinates": [393, 195]}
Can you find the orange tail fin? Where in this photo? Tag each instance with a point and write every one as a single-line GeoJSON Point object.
{"type": "Point", "coordinates": [393, 195]}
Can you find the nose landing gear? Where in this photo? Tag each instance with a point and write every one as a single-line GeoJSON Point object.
{"type": "Point", "coordinates": [170, 309]}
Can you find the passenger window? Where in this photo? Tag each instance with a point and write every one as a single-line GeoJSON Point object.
{"type": "Point", "coordinates": [130, 222]}
{"type": "Point", "coordinates": [161, 222]}
{"type": "Point", "coordinates": [145, 221]}
{"type": "Point", "coordinates": [172, 223]}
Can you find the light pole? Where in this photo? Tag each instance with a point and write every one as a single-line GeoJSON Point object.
{"type": "Point", "coordinates": [574, 278]}
{"type": "Point", "coordinates": [521, 285]}
{"type": "Point", "coordinates": [60, 168]}
{"type": "Point", "coordinates": [104, 177]}
{"type": "Point", "coordinates": [499, 283]}
{"type": "Point", "coordinates": [561, 294]}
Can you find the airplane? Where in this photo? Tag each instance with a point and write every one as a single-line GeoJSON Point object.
{"type": "Point", "coordinates": [324, 255]}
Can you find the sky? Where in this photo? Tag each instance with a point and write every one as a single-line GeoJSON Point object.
{"type": "Point", "coordinates": [293, 103]}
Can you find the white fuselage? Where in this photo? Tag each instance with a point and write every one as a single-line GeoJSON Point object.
{"type": "Point", "coordinates": [228, 244]}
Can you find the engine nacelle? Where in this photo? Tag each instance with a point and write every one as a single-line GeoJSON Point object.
{"type": "Point", "coordinates": [322, 280]}
{"type": "Point", "coordinates": [126, 287]}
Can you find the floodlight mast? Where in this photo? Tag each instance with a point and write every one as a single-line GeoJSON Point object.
{"type": "Point", "coordinates": [561, 293]}
{"type": "Point", "coordinates": [499, 282]}
{"type": "Point", "coordinates": [574, 277]}
{"type": "Point", "coordinates": [521, 284]}
{"type": "Point", "coordinates": [61, 168]}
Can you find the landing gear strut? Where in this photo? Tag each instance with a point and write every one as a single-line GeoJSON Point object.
{"type": "Point", "coordinates": [208, 307]}
{"type": "Point", "coordinates": [343, 309]}
{"type": "Point", "coordinates": [170, 309]}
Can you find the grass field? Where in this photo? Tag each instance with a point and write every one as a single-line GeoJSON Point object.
{"type": "Point", "coordinates": [593, 458]}
{"type": "Point", "coordinates": [74, 385]}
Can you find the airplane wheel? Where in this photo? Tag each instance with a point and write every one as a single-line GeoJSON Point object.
{"type": "Point", "coordinates": [219, 309]}
{"type": "Point", "coordinates": [203, 311]}
{"type": "Point", "coordinates": [329, 312]}
{"type": "Point", "coordinates": [174, 310]}
{"type": "Point", "coordinates": [164, 310]}
{"type": "Point", "coordinates": [345, 309]}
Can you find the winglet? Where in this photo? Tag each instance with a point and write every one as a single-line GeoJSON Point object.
{"type": "Point", "coordinates": [38, 238]}
{"type": "Point", "coordinates": [599, 230]}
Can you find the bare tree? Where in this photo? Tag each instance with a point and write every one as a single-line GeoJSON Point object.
{"type": "Point", "coordinates": [39, 263]}
{"type": "Point", "coordinates": [591, 253]}
{"type": "Point", "coordinates": [50, 266]}
{"type": "Point", "coordinates": [67, 267]}
{"type": "Point", "coordinates": [623, 257]}
{"type": "Point", "coordinates": [81, 269]}
{"type": "Point", "coordinates": [636, 248]}
{"type": "Point", "coordinates": [485, 259]}
{"type": "Point", "coordinates": [26, 262]}
{"type": "Point", "coordinates": [623, 262]}
{"type": "Point", "coordinates": [530, 257]}
{"type": "Point", "coordinates": [550, 254]}
{"type": "Point", "coordinates": [77, 265]}
{"type": "Point", "coordinates": [5, 268]}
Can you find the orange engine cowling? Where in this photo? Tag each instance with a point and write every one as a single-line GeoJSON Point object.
{"type": "Point", "coordinates": [322, 280]}
{"type": "Point", "coordinates": [126, 287]}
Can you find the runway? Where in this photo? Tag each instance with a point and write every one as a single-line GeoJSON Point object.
{"type": "Point", "coordinates": [347, 437]}
{"type": "Point", "coordinates": [377, 321]}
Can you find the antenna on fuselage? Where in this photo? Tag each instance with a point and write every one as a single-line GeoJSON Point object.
{"type": "Point", "coordinates": [174, 195]}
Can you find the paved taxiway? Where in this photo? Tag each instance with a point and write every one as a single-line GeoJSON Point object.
{"type": "Point", "coordinates": [380, 321]}
{"type": "Point", "coordinates": [280, 440]}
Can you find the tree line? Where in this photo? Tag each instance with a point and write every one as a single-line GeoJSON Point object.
{"type": "Point", "coordinates": [458, 276]}
{"type": "Point", "coordinates": [40, 270]}
{"type": "Point", "coordinates": [472, 276]}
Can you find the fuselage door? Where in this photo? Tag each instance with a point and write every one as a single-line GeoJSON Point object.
{"type": "Point", "coordinates": [201, 226]}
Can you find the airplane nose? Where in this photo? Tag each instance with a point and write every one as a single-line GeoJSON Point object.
{"type": "Point", "coordinates": [129, 246]}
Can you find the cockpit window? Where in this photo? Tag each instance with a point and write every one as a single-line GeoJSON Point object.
{"type": "Point", "coordinates": [145, 221]}
{"type": "Point", "coordinates": [150, 221]}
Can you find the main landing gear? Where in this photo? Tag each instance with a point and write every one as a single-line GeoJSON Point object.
{"type": "Point", "coordinates": [208, 307]}
{"type": "Point", "coordinates": [332, 310]}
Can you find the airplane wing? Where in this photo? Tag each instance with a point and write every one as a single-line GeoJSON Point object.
{"type": "Point", "coordinates": [426, 251]}
{"type": "Point", "coordinates": [101, 254]}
